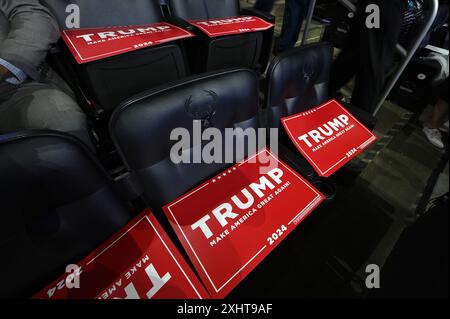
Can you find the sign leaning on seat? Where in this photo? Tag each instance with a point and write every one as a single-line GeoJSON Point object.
{"type": "Point", "coordinates": [328, 136]}
{"type": "Point", "coordinates": [236, 25]}
{"type": "Point", "coordinates": [139, 262]}
{"type": "Point", "coordinates": [229, 224]}
{"type": "Point", "coordinates": [91, 44]}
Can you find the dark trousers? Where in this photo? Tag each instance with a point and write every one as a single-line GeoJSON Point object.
{"type": "Point", "coordinates": [294, 14]}
{"type": "Point", "coordinates": [265, 5]}
{"type": "Point", "coordinates": [369, 54]}
{"type": "Point", "coordinates": [38, 106]}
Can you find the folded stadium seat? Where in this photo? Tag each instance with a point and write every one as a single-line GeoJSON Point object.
{"type": "Point", "coordinates": [227, 99]}
{"type": "Point", "coordinates": [101, 85]}
{"type": "Point", "coordinates": [250, 50]}
{"type": "Point", "coordinates": [58, 205]}
{"type": "Point", "coordinates": [297, 80]}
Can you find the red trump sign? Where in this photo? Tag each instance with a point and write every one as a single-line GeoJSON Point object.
{"type": "Point", "coordinates": [140, 262]}
{"type": "Point", "coordinates": [229, 224]}
{"type": "Point", "coordinates": [235, 25]}
{"type": "Point", "coordinates": [93, 44]}
{"type": "Point", "coordinates": [328, 136]}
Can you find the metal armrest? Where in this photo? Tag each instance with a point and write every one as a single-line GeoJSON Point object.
{"type": "Point", "coordinates": [260, 14]}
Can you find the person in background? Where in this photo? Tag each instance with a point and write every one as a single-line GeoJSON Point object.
{"type": "Point", "coordinates": [294, 14]}
{"type": "Point", "coordinates": [32, 96]}
{"type": "Point", "coordinates": [438, 120]}
{"type": "Point", "coordinates": [264, 5]}
{"type": "Point", "coordinates": [369, 53]}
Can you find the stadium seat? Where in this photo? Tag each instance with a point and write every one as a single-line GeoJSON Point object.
{"type": "Point", "coordinates": [101, 85]}
{"type": "Point", "coordinates": [58, 206]}
{"type": "Point", "coordinates": [249, 50]}
{"type": "Point", "coordinates": [297, 80]}
{"type": "Point", "coordinates": [227, 99]}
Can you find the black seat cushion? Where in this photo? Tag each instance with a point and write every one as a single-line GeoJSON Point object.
{"type": "Point", "coordinates": [105, 13]}
{"type": "Point", "coordinates": [228, 99]}
{"type": "Point", "coordinates": [57, 206]}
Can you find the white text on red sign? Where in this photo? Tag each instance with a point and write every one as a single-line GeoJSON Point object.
{"type": "Point", "coordinates": [108, 35]}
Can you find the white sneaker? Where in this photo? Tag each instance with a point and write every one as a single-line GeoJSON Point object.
{"type": "Point", "coordinates": [434, 137]}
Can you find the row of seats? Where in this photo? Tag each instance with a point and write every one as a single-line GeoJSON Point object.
{"type": "Point", "coordinates": [102, 85]}
{"type": "Point", "coordinates": [61, 204]}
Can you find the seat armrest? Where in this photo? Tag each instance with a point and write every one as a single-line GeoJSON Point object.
{"type": "Point", "coordinates": [367, 119]}
{"type": "Point", "coordinates": [179, 22]}
{"type": "Point", "coordinates": [296, 161]}
{"type": "Point", "coordinates": [257, 13]}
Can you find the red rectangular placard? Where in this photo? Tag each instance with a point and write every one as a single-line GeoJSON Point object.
{"type": "Point", "coordinates": [139, 262]}
{"type": "Point", "coordinates": [229, 224]}
{"type": "Point", "coordinates": [93, 44]}
{"type": "Point", "coordinates": [328, 136]}
{"type": "Point", "coordinates": [236, 25]}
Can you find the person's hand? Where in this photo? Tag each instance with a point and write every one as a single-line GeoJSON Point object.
{"type": "Point", "coordinates": [4, 73]}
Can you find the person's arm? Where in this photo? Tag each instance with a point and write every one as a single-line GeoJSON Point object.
{"type": "Point", "coordinates": [32, 32]}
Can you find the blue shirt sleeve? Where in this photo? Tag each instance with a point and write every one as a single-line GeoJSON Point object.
{"type": "Point", "coordinates": [19, 76]}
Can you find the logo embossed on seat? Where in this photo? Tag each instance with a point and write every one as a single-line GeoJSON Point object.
{"type": "Point", "coordinates": [202, 113]}
{"type": "Point", "coordinates": [308, 72]}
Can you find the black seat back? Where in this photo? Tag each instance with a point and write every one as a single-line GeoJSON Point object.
{"type": "Point", "coordinates": [227, 99]}
{"type": "Point", "coordinates": [104, 13]}
{"type": "Point", "coordinates": [239, 50]}
{"type": "Point", "coordinates": [297, 81]}
{"type": "Point", "coordinates": [57, 207]}
{"type": "Point", "coordinates": [109, 81]}
{"type": "Point", "coordinates": [204, 9]}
